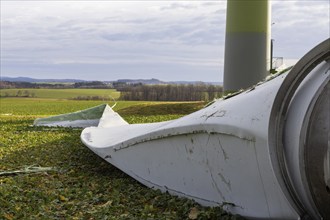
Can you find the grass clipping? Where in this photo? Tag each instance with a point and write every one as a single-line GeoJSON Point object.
{"type": "Point", "coordinates": [27, 170]}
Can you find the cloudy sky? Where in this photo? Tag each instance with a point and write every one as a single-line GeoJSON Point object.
{"type": "Point", "coordinates": [167, 40]}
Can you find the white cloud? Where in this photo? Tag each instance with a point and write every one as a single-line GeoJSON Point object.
{"type": "Point", "coordinates": [299, 26]}
{"type": "Point", "coordinates": [181, 5]}
{"type": "Point", "coordinates": [187, 35]}
{"type": "Point", "coordinates": [91, 32]}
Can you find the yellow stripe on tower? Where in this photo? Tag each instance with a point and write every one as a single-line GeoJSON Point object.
{"type": "Point", "coordinates": [248, 16]}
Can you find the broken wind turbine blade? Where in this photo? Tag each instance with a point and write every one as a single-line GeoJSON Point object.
{"type": "Point", "coordinates": [102, 116]}
{"type": "Point", "coordinates": [263, 153]}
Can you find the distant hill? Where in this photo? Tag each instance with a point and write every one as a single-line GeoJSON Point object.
{"type": "Point", "coordinates": [32, 80]}
{"type": "Point", "coordinates": [143, 81]}
{"type": "Point", "coordinates": [158, 82]}
{"type": "Point", "coordinates": [128, 81]}
{"type": "Point", "coordinates": [195, 82]}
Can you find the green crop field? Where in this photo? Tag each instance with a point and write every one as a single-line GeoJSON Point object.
{"type": "Point", "coordinates": [36, 106]}
{"type": "Point", "coordinates": [60, 93]}
{"type": "Point", "coordinates": [74, 182]}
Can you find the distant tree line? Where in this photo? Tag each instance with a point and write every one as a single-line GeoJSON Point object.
{"type": "Point", "coordinates": [128, 91]}
{"type": "Point", "coordinates": [94, 98]}
{"type": "Point", "coordinates": [28, 85]}
{"type": "Point", "coordinates": [20, 93]}
{"type": "Point", "coordinates": [93, 85]}
{"type": "Point", "coordinates": [170, 92]}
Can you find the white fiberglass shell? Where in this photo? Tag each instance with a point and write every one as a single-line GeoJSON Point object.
{"type": "Point", "coordinates": [217, 155]}
{"type": "Point", "coordinates": [232, 152]}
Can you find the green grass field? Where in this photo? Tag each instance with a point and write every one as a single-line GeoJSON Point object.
{"type": "Point", "coordinates": [79, 184]}
{"type": "Point", "coordinates": [61, 93]}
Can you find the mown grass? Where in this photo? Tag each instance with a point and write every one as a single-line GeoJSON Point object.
{"type": "Point", "coordinates": [62, 93]}
{"type": "Point", "coordinates": [81, 185]}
